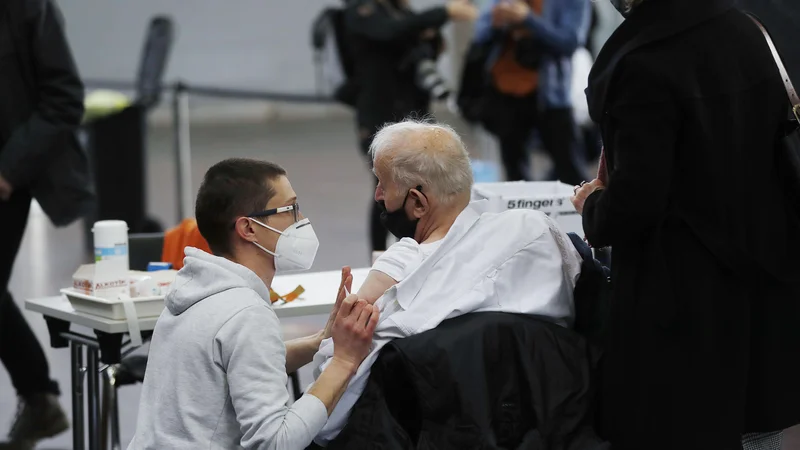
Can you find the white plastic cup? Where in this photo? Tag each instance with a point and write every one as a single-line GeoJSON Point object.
{"type": "Point", "coordinates": [111, 259]}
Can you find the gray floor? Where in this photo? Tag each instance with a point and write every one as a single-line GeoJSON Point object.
{"type": "Point", "coordinates": [334, 190]}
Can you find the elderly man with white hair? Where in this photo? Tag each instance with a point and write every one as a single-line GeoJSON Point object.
{"type": "Point", "coordinates": [454, 257]}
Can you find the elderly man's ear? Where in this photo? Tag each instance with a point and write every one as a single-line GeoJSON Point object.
{"type": "Point", "coordinates": [420, 202]}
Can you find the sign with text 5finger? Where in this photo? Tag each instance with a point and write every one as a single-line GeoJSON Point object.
{"type": "Point", "coordinates": [550, 197]}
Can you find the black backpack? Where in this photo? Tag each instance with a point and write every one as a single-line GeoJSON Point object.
{"type": "Point", "coordinates": [333, 58]}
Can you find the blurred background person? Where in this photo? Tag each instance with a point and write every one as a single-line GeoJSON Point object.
{"type": "Point", "coordinates": [530, 79]}
{"type": "Point", "coordinates": [41, 107]}
{"type": "Point", "coordinates": [394, 51]}
{"type": "Point", "coordinates": [703, 336]}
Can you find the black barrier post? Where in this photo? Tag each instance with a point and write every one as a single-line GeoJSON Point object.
{"type": "Point", "coordinates": [183, 150]}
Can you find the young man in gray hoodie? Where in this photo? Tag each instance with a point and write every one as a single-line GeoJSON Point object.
{"type": "Point", "coordinates": [217, 370]}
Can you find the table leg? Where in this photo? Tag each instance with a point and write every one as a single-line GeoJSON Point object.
{"type": "Point", "coordinates": [77, 395]}
{"type": "Point", "coordinates": [114, 412]}
{"type": "Point", "coordinates": [107, 379]}
{"type": "Point", "coordinates": [93, 396]}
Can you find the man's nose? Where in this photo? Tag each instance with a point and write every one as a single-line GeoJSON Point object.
{"type": "Point", "coordinates": [378, 193]}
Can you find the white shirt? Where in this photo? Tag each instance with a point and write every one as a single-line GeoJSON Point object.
{"type": "Point", "coordinates": [517, 261]}
{"type": "Point", "coordinates": [404, 257]}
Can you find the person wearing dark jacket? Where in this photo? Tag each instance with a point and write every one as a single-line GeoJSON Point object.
{"type": "Point", "coordinates": [41, 107]}
{"type": "Point", "coordinates": [703, 334]}
{"type": "Point", "coordinates": [529, 68]}
{"type": "Point", "coordinates": [382, 36]}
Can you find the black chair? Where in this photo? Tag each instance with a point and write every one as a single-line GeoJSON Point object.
{"type": "Point", "coordinates": [129, 371]}
{"type": "Point", "coordinates": [144, 248]}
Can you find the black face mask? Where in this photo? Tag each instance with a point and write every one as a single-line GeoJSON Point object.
{"type": "Point", "coordinates": [397, 222]}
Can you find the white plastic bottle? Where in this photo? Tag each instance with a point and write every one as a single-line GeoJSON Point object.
{"type": "Point", "coordinates": [111, 259]}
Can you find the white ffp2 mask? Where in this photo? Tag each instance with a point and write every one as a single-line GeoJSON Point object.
{"type": "Point", "coordinates": [296, 248]}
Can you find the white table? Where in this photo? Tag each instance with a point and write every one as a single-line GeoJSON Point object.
{"type": "Point", "coordinates": [320, 291]}
{"type": "Point", "coordinates": [318, 298]}
{"type": "Point", "coordinates": [106, 346]}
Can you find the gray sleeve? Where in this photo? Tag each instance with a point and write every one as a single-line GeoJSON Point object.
{"type": "Point", "coordinates": [250, 350]}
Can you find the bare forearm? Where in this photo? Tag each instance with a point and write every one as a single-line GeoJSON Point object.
{"type": "Point", "coordinates": [300, 352]}
{"type": "Point", "coordinates": [332, 383]}
{"type": "Point", "coordinates": [375, 286]}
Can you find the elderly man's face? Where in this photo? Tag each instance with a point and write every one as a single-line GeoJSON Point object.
{"type": "Point", "coordinates": [401, 208]}
{"type": "Point", "coordinates": [387, 191]}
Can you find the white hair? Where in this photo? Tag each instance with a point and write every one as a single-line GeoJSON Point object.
{"type": "Point", "coordinates": [427, 154]}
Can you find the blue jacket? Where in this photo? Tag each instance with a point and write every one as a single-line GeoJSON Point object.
{"type": "Point", "coordinates": [562, 28]}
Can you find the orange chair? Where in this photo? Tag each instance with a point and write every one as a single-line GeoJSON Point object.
{"type": "Point", "coordinates": [186, 234]}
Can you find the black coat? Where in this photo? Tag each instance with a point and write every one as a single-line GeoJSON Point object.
{"type": "Point", "coordinates": [41, 108]}
{"type": "Point", "coordinates": [382, 33]}
{"type": "Point", "coordinates": [479, 381]}
{"type": "Point", "coordinates": [704, 342]}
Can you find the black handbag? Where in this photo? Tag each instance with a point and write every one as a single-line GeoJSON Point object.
{"type": "Point", "coordinates": [789, 144]}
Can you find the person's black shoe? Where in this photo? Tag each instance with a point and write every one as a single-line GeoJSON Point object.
{"type": "Point", "coordinates": [38, 417]}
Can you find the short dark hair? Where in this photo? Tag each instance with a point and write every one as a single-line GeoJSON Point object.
{"type": "Point", "coordinates": [231, 189]}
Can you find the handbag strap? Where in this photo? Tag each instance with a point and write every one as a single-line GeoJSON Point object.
{"type": "Point", "coordinates": [787, 82]}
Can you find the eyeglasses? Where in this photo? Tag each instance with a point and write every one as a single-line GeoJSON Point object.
{"type": "Point", "coordinates": [294, 208]}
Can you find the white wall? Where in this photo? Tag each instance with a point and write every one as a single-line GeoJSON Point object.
{"type": "Point", "coordinates": [251, 44]}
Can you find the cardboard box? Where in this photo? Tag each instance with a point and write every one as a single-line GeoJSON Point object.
{"type": "Point", "coordinates": [137, 284]}
{"type": "Point", "coordinates": [550, 197]}
{"type": "Point", "coordinates": [86, 281]}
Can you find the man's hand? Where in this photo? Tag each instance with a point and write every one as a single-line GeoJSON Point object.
{"type": "Point", "coordinates": [352, 338]}
{"type": "Point", "coordinates": [583, 192]}
{"type": "Point", "coordinates": [345, 286]}
{"type": "Point", "coordinates": [462, 11]}
{"type": "Point", "coordinates": [5, 189]}
{"type": "Point", "coordinates": [513, 12]}
{"type": "Point", "coordinates": [352, 332]}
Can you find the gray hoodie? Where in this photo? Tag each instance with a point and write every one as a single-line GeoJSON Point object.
{"type": "Point", "coordinates": [216, 374]}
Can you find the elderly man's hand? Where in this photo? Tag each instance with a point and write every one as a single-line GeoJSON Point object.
{"type": "Point", "coordinates": [583, 192]}
{"type": "Point", "coordinates": [5, 189]}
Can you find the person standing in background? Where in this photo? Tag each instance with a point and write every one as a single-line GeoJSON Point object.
{"type": "Point", "coordinates": [41, 106]}
{"type": "Point", "coordinates": [530, 67]}
{"type": "Point", "coordinates": [703, 336]}
{"type": "Point", "coordinates": [388, 41]}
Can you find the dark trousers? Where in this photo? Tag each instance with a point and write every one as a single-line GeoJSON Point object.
{"type": "Point", "coordinates": [20, 351]}
{"type": "Point", "coordinates": [377, 232]}
{"type": "Point", "coordinates": [513, 119]}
